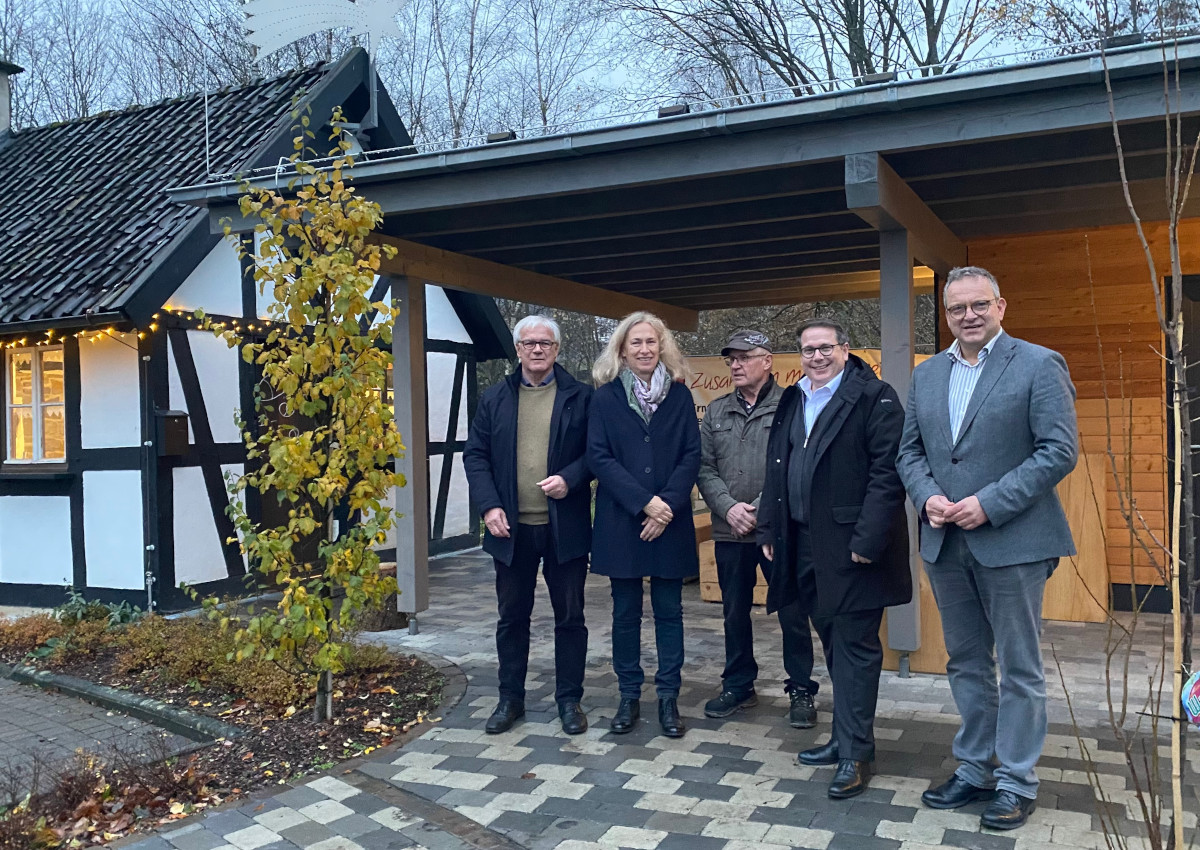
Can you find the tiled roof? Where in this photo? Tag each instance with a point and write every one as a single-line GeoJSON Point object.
{"type": "Point", "coordinates": [83, 209]}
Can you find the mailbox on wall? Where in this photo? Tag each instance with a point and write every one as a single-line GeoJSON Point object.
{"type": "Point", "coordinates": [171, 432]}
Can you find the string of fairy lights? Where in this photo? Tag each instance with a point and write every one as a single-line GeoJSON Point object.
{"type": "Point", "coordinates": [94, 335]}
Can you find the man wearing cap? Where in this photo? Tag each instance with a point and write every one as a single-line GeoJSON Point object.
{"type": "Point", "coordinates": [733, 440]}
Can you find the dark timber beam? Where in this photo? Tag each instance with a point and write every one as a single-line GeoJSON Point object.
{"type": "Point", "coordinates": [829, 287]}
{"type": "Point", "coordinates": [897, 315]}
{"type": "Point", "coordinates": [877, 194]}
{"type": "Point", "coordinates": [415, 261]}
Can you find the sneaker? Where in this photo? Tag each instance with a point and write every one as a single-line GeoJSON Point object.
{"type": "Point", "coordinates": [728, 702]}
{"type": "Point", "coordinates": [803, 713]}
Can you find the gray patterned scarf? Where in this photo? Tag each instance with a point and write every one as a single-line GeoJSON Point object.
{"type": "Point", "coordinates": [644, 397]}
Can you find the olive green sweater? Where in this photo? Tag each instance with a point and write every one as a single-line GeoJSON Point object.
{"type": "Point", "coordinates": [534, 408]}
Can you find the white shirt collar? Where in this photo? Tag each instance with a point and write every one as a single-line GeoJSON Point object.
{"type": "Point", "coordinates": [954, 350]}
{"type": "Point", "coordinates": [806, 385]}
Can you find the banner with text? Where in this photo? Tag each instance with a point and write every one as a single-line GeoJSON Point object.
{"type": "Point", "coordinates": [711, 378]}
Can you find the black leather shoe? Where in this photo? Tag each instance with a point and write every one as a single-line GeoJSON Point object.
{"type": "Point", "coordinates": [1007, 811]}
{"type": "Point", "coordinates": [668, 718]}
{"type": "Point", "coordinates": [954, 793]}
{"type": "Point", "coordinates": [727, 702]}
{"type": "Point", "coordinates": [626, 717]}
{"type": "Point", "coordinates": [850, 780]}
{"type": "Point", "coordinates": [819, 756]}
{"type": "Point", "coordinates": [508, 712]}
{"type": "Point", "coordinates": [574, 721]}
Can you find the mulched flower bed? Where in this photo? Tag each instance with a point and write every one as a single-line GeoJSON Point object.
{"type": "Point", "coordinates": [280, 743]}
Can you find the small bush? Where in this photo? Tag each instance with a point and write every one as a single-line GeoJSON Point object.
{"type": "Point", "coordinates": [195, 650]}
{"type": "Point", "coordinates": [28, 633]}
{"type": "Point", "coordinates": [87, 637]}
{"type": "Point", "coordinates": [369, 658]}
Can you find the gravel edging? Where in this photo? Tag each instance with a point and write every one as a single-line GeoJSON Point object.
{"type": "Point", "coordinates": [194, 727]}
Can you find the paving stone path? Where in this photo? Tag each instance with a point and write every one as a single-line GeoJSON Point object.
{"type": "Point", "coordinates": [41, 731]}
{"type": "Point", "coordinates": [726, 785]}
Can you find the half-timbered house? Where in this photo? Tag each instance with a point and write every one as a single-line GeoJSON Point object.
{"type": "Point", "coordinates": [119, 412]}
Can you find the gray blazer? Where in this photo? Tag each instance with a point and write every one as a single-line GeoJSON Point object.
{"type": "Point", "coordinates": [1017, 441]}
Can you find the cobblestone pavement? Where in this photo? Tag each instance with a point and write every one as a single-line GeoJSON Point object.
{"type": "Point", "coordinates": [45, 728]}
{"type": "Point", "coordinates": [726, 785]}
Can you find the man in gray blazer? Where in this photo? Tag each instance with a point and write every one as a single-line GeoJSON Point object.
{"type": "Point", "coordinates": [988, 433]}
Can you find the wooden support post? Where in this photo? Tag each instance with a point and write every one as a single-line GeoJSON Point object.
{"type": "Point", "coordinates": [412, 418]}
{"type": "Point", "coordinates": [896, 318]}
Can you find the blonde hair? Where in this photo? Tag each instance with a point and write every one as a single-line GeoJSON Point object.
{"type": "Point", "coordinates": [610, 363]}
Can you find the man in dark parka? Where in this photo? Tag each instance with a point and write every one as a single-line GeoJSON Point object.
{"type": "Point", "coordinates": [529, 479]}
{"type": "Point", "coordinates": [832, 519]}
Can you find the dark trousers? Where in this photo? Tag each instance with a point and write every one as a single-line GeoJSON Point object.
{"type": "Point", "coordinates": [854, 658]}
{"type": "Point", "coordinates": [666, 599]}
{"type": "Point", "coordinates": [515, 584]}
{"type": "Point", "coordinates": [737, 573]}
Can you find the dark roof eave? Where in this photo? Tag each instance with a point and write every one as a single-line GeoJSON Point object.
{"type": "Point", "coordinates": [87, 320]}
{"type": "Point", "coordinates": [962, 86]}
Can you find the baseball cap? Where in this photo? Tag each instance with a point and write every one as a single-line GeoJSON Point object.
{"type": "Point", "coordinates": [745, 340]}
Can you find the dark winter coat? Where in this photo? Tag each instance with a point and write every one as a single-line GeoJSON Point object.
{"type": "Point", "coordinates": [490, 458]}
{"type": "Point", "coordinates": [634, 462]}
{"type": "Point", "coordinates": [856, 503]}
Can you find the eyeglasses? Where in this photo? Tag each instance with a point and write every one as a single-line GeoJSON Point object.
{"type": "Point", "coordinates": [741, 361]}
{"type": "Point", "coordinates": [531, 344]}
{"type": "Point", "coordinates": [809, 352]}
{"type": "Point", "coordinates": [979, 308]}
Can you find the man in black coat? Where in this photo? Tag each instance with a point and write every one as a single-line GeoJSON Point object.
{"type": "Point", "coordinates": [529, 479]}
{"type": "Point", "coordinates": [832, 518]}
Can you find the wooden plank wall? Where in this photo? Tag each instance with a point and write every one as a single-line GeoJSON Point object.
{"type": "Point", "coordinates": [1083, 292]}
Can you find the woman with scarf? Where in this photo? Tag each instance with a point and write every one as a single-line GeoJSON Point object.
{"type": "Point", "coordinates": [644, 449]}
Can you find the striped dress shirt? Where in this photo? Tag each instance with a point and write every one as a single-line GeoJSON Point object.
{"type": "Point", "coordinates": [963, 378]}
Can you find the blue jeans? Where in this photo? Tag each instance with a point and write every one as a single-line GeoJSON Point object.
{"type": "Point", "coordinates": [737, 573]}
{"type": "Point", "coordinates": [515, 584]}
{"type": "Point", "coordinates": [986, 609]}
{"type": "Point", "coordinates": [666, 599]}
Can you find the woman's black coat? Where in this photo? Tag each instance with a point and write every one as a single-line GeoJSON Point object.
{"type": "Point", "coordinates": [856, 499]}
{"type": "Point", "coordinates": [633, 462]}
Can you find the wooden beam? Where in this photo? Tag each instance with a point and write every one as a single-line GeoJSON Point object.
{"type": "Point", "coordinates": [409, 393]}
{"type": "Point", "coordinates": [881, 198]}
{"type": "Point", "coordinates": [470, 274]}
{"type": "Point", "coordinates": [830, 287]}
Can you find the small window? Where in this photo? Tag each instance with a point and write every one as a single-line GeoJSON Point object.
{"type": "Point", "coordinates": [35, 406]}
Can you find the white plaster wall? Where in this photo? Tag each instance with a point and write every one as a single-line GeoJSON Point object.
{"type": "Point", "coordinates": [214, 286]}
{"type": "Point", "coordinates": [262, 301]}
{"type": "Point", "coordinates": [458, 508]}
{"type": "Point", "coordinates": [110, 397]}
{"type": "Point", "coordinates": [112, 528]}
{"type": "Point", "coordinates": [198, 553]}
{"type": "Point", "coordinates": [441, 321]}
{"type": "Point", "coordinates": [35, 540]}
{"type": "Point", "coordinates": [217, 369]}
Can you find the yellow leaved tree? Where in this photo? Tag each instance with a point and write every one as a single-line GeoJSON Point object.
{"type": "Point", "coordinates": [323, 440]}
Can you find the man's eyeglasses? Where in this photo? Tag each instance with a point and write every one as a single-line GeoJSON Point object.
{"type": "Point", "coordinates": [809, 352]}
{"type": "Point", "coordinates": [741, 361]}
{"type": "Point", "coordinates": [979, 308]}
{"type": "Point", "coordinates": [531, 344]}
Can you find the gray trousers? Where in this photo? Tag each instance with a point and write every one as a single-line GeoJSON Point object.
{"type": "Point", "coordinates": [998, 610]}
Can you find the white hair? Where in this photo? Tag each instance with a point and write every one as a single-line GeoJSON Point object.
{"type": "Point", "coordinates": [536, 321]}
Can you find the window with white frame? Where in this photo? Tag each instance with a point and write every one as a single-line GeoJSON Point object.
{"type": "Point", "coordinates": [35, 405]}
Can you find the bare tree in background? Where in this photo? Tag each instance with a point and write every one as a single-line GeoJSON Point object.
{"type": "Point", "coordinates": [1073, 26]}
{"type": "Point", "coordinates": [470, 39]}
{"type": "Point", "coordinates": [562, 53]}
{"type": "Point", "coordinates": [802, 44]}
